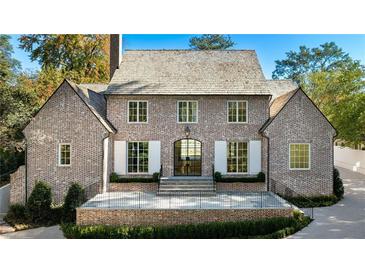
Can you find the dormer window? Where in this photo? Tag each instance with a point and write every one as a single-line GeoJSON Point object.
{"type": "Point", "coordinates": [137, 111]}
{"type": "Point", "coordinates": [237, 111]}
{"type": "Point", "coordinates": [187, 111]}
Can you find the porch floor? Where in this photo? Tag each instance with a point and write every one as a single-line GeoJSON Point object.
{"type": "Point", "coordinates": [222, 200]}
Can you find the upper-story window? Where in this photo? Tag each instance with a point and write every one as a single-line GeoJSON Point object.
{"type": "Point", "coordinates": [299, 155]}
{"type": "Point", "coordinates": [137, 111]}
{"type": "Point", "coordinates": [237, 111]}
{"type": "Point", "coordinates": [64, 154]}
{"type": "Point", "coordinates": [187, 111]}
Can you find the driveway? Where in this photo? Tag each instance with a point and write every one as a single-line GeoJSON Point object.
{"type": "Point", "coordinates": [346, 219]}
{"type": "Point", "coordinates": [52, 232]}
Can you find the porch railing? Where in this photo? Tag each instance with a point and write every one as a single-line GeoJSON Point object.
{"type": "Point", "coordinates": [287, 193]}
{"type": "Point", "coordinates": [224, 200]}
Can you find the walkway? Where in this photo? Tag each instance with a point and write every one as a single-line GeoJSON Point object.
{"type": "Point", "coordinates": [344, 220]}
{"type": "Point", "coordinates": [51, 232]}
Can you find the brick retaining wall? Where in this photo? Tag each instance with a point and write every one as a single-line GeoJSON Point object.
{"type": "Point", "coordinates": [134, 217]}
{"type": "Point", "coordinates": [243, 187]}
{"type": "Point", "coordinates": [118, 187]}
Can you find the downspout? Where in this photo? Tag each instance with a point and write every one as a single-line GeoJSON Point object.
{"type": "Point", "coordinates": [105, 159]}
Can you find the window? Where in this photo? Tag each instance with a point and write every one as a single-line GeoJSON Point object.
{"type": "Point", "coordinates": [237, 112]}
{"type": "Point", "coordinates": [187, 111]}
{"type": "Point", "coordinates": [64, 154]}
{"type": "Point", "coordinates": [299, 156]}
{"type": "Point", "coordinates": [137, 111]}
{"type": "Point", "coordinates": [237, 157]}
{"type": "Point", "coordinates": [137, 157]}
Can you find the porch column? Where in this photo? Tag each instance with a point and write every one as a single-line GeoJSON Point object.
{"type": "Point", "coordinates": [105, 163]}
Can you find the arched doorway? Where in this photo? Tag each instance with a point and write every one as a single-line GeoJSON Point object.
{"type": "Point", "coordinates": [187, 157]}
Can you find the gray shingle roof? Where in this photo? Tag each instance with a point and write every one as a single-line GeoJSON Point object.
{"type": "Point", "coordinates": [280, 87]}
{"type": "Point", "coordinates": [175, 72]}
{"type": "Point", "coordinates": [95, 101]}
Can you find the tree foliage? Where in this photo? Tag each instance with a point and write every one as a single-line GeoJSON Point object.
{"type": "Point", "coordinates": [334, 81]}
{"type": "Point", "coordinates": [81, 58]}
{"type": "Point", "coordinates": [211, 42]}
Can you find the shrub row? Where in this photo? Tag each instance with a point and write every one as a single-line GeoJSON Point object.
{"type": "Point", "coordinates": [271, 228]}
{"type": "Point", "coordinates": [338, 188]}
{"type": "Point", "coordinates": [319, 201]}
{"type": "Point", "coordinates": [255, 179]}
{"type": "Point", "coordinates": [39, 210]}
{"type": "Point", "coordinates": [115, 178]}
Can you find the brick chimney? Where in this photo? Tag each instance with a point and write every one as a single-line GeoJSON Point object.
{"type": "Point", "coordinates": [115, 53]}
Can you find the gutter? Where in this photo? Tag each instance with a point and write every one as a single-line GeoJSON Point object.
{"type": "Point", "coordinates": [26, 170]}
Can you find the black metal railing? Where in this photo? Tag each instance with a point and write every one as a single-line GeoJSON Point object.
{"type": "Point", "coordinates": [288, 194]}
{"type": "Point", "coordinates": [213, 175]}
{"type": "Point", "coordinates": [223, 200]}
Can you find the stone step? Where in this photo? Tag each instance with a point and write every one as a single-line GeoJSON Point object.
{"type": "Point", "coordinates": [186, 185]}
{"type": "Point", "coordinates": [186, 193]}
{"type": "Point", "coordinates": [186, 182]}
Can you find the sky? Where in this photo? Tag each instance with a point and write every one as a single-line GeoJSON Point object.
{"type": "Point", "coordinates": [269, 47]}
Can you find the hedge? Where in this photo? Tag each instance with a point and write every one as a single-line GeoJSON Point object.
{"type": "Point", "coordinates": [263, 228]}
{"type": "Point", "coordinates": [114, 178]}
{"type": "Point", "coordinates": [260, 178]}
{"type": "Point", "coordinates": [318, 201]}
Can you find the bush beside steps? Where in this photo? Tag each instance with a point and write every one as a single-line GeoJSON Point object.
{"type": "Point", "coordinates": [270, 228]}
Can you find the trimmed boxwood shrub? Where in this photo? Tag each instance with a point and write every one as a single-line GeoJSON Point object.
{"type": "Point", "coordinates": [114, 178]}
{"type": "Point", "coordinates": [75, 197]}
{"type": "Point", "coordinates": [263, 228]}
{"type": "Point", "coordinates": [38, 206]}
{"type": "Point", "coordinates": [319, 201]}
{"type": "Point", "coordinates": [260, 177]}
{"type": "Point", "coordinates": [16, 214]}
{"type": "Point", "coordinates": [338, 188]}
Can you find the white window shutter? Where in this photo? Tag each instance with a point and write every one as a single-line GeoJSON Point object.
{"type": "Point", "coordinates": [254, 159]}
{"type": "Point", "coordinates": [120, 157]}
{"type": "Point", "coordinates": [220, 156]}
{"type": "Point", "coordinates": [154, 158]}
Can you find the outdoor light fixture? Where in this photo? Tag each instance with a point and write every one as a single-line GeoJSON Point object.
{"type": "Point", "coordinates": [187, 132]}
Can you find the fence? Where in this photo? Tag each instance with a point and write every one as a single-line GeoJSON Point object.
{"type": "Point", "coordinates": [350, 158]}
{"type": "Point", "coordinates": [224, 200]}
{"type": "Point", "coordinates": [288, 193]}
{"type": "Point", "coordinates": [4, 198]}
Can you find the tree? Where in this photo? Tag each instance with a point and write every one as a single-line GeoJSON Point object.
{"type": "Point", "coordinates": [81, 58]}
{"type": "Point", "coordinates": [326, 57]}
{"type": "Point", "coordinates": [211, 42]}
{"type": "Point", "coordinates": [8, 65]}
{"type": "Point", "coordinates": [335, 82]}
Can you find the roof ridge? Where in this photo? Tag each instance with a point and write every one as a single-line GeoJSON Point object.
{"type": "Point", "coordinates": [192, 50]}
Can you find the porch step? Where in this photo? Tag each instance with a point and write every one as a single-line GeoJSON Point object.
{"type": "Point", "coordinates": [186, 186]}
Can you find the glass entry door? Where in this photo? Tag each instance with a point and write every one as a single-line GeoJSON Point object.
{"type": "Point", "coordinates": [188, 159]}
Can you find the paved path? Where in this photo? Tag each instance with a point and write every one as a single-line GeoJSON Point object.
{"type": "Point", "coordinates": [344, 220]}
{"type": "Point", "coordinates": [51, 232]}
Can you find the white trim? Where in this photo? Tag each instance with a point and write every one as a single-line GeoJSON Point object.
{"type": "Point", "coordinates": [227, 112]}
{"type": "Point", "coordinates": [148, 167]}
{"type": "Point", "coordinates": [177, 111]}
{"type": "Point", "coordinates": [120, 157]}
{"type": "Point", "coordinates": [248, 158]}
{"type": "Point", "coordinates": [309, 158]}
{"type": "Point", "coordinates": [105, 163]}
{"type": "Point", "coordinates": [137, 101]}
{"type": "Point", "coordinates": [59, 155]}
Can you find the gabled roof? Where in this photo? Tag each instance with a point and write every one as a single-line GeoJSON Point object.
{"type": "Point", "coordinates": [278, 104]}
{"type": "Point", "coordinates": [280, 87]}
{"type": "Point", "coordinates": [95, 101]}
{"type": "Point", "coordinates": [180, 72]}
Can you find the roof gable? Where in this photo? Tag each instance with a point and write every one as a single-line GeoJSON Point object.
{"type": "Point", "coordinates": [282, 101]}
{"type": "Point", "coordinates": [95, 102]}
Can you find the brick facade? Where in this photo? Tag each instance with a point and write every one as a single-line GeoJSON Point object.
{"type": "Point", "coordinates": [212, 124]}
{"type": "Point", "coordinates": [301, 122]}
{"type": "Point", "coordinates": [135, 217]}
{"type": "Point", "coordinates": [241, 187]}
{"type": "Point", "coordinates": [17, 186]}
{"type": "Point", "coordinates": [117, 187]}
{"type": "Point", "coordinates": [64, 119]}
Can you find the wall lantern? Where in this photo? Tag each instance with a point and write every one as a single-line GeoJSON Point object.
{"type": "Point", "coordinates": [187, 132]}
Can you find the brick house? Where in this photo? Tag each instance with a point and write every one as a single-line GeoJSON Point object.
{"type": "Point", "coordinates": [185, 112]}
